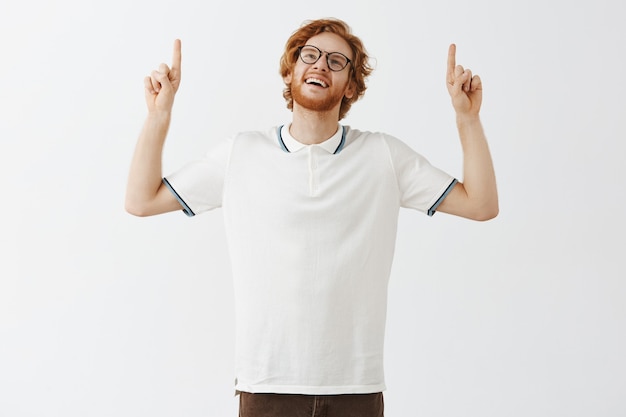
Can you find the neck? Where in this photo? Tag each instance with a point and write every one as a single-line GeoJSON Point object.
{"type": "Point", "coordinates": [313, 127]}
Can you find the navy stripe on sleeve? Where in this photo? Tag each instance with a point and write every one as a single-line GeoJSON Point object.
{"type": "Point", "coordinates": [432, 210]}
{"type": "Point", "coordinates": [186, 209]}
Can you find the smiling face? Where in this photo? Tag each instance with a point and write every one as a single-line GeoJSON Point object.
{"type": "Point", "coordinates": [314, 86]}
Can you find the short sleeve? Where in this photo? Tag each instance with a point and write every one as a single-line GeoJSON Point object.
{"type": "Point", "coordinates": [199, 185]}
{"type": "Point", "coordinates": [422, 186]}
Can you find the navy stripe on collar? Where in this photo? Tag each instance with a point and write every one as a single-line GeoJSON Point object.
{"type": "Point", "coordinates": [281, 142]}
{"type": "Point", "coordinates": [342, 142]}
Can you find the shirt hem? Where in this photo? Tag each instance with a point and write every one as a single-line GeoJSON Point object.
{"type": "Point", "coordinates": [310, 390]}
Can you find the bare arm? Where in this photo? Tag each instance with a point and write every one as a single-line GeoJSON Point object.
{"type": "Point", "coordinates": [145, 193]}
{"type": "Point", "coordinates": [477, 196]}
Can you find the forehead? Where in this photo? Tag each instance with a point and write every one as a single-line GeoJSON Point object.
{"type": "Point", "coordinates": [331, 42]}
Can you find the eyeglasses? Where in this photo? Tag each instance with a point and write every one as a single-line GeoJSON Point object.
{"type": "Point", "coordinates": [336, 61]}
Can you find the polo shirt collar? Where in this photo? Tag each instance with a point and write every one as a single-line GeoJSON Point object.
{"type": "Point", "coordinates": [332, 145]}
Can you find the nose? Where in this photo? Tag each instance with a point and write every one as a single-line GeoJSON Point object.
{"type": "Point", "coordinates": [322, 62]}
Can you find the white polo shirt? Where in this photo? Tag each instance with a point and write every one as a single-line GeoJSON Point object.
{"type": "Point", "coordinates": [311, 231]}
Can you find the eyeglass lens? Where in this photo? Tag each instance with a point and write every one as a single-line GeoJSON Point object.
{"type": "Point", "coordinates": [336, 60]}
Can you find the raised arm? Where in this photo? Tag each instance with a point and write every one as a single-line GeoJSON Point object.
{"type": "Point", "coordinates": [476, 197]}
{"type": "Point", "coordinates": [145, 193]}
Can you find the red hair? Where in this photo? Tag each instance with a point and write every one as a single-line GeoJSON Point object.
{"type": "Point", "coordinates": [360, 68]}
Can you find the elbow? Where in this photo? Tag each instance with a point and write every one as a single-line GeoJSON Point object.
{"type": "Point", "coordinates": [487, 207]}
{"type": "Point", "coordinates": [135, 209]}
{"type": "Point", "coordinates": [486, 213]}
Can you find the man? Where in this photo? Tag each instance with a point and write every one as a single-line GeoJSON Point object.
{"type": "Point", "coordinates": [310, 211]}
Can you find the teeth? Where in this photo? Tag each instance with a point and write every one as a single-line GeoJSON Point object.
{"type": "Point", "coordinates": [316, 81]}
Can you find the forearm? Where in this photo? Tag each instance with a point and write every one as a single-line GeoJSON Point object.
{"type": "Point", "coordinates": [479, 179]}
{"type": "Point", "coordinates": [145, 175]}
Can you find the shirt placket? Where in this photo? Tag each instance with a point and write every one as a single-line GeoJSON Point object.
{"type": "Point", "coordinates": [313, 162]}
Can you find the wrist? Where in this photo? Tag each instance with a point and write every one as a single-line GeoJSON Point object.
{"type": "Point", "coordinates": [159, 117]}
{"type": "Point", "coordinates": [464, 119]}
{"type": "Point", "coordinates": [157, 124]}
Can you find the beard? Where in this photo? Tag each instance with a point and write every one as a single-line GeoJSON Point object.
{"type": "Point", "coordinates": [325, 104]}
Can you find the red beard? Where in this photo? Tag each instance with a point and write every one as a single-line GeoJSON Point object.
{"type": "Point", "coordinates": [325, 104]}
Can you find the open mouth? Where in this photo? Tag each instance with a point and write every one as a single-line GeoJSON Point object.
{"type": "Point", "coordinates": [316, 81]}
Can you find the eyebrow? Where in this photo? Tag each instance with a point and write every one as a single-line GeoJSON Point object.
{"type": "Point", "coordinates": [330, 52]}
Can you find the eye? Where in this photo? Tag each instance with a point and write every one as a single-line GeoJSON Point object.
{"type": "Point", "coordinates": [309, 54]}
{"type": "Point", "coordinates": [337, 61]}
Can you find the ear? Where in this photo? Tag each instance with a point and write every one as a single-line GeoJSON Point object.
{"type": "Point", "coordinates": [287, 78]}
{"type": "Point", "coordinates": [350, 90]}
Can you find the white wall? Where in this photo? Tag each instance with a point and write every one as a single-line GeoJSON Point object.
{"type": "Point", "coordinates": [104, 314]}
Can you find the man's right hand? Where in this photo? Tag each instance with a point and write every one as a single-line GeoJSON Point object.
{"type": "Point", "coordinates": [162, 84]}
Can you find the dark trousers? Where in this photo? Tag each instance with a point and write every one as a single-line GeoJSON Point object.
{"type": "Point", "coordinates": [296, 405]}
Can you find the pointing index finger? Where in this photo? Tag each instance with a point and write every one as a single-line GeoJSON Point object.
{"type": "Point", "coordinates": [176, 56]}
{"type": "Point", "coordinates": [451, 61]}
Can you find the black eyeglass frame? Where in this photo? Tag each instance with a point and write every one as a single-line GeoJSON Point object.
{"type": "Point", "coordinates": [328, 54]}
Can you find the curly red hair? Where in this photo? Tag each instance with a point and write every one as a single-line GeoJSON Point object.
{"type": "Point", "coordinates": [360, 68]}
